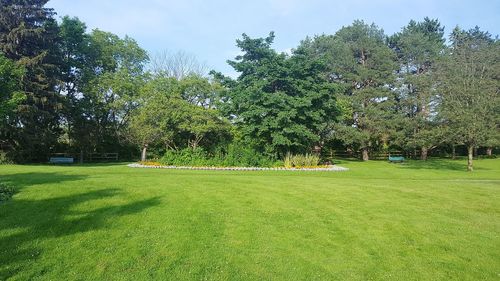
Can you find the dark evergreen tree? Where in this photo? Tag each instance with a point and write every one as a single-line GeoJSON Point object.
{"type": "Point", "coordinates": [468, 78]}
{"type": "Point", "coordinates": [29, 36]}
{"type": "Point", "coordinates": [418, 47]}
{"type": "Point", "coordinates": [358, 58]}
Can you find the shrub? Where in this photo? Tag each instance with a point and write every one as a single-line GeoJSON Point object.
{"type": "Point", "coordinates": [301, 161]}
{"type": "Point", "coordinates": [6, 192]}
{"type": "Point", "coordinates": [234, 155]}
{"type": "Point", "coordinates": [4, 159]}
{"type": "Point", "coordinates": [239, 155]}
{"type": "Point", "coordinates": [185, 157]}
{"type": "Point", "coordinates": [311, 160]}
{"type": "Point", "coordinates": [288, 161]}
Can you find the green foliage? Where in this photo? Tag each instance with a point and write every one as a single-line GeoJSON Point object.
{"type": "Point", "coordinates": [6, 192]}
{"type": "Point", "coordinates": [66, 89]}
{"type": "Point", "coordinates": [239, 155]}
{"type": "Point", "coordinates": [281, 103]}
{"type": "Point", "coordinates": [5, 159]}
{"type": "Point", "coordinates": [200, 91]}
{"type": "Point", "coordinates": [235, 155]}
{"type": "Point", "coordinates": [288, 161]}
{"type": "Point", "coordinates": [358, 58]}
{"type": "Point", "coordinates": [10, 88]}
{"type": "Point", "coordinates": [418, 46]}
{"type": "Point", "coordinates": [29, 37]}
{"type": "Point", "coordinates": [311, 160]}
{"type": "Point", "coordinates": [103, 75]}
{"type": "Point", "coordinates": [164, 118]}
{"type": "Point", "coordinates": [468, 76]}
{"type": "Point", "coordinates": [301, 160]}
{"type": "Point", "coordinates": [186, 157]}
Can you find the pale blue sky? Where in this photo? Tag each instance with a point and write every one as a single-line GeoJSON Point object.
{"type": "Point", "coordinates": [208, 29]}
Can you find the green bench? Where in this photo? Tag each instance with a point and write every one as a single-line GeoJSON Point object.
{"type": "Point", "coordinates": [61, 160]}
{"type": "Point", "coordinates": [394, 159]}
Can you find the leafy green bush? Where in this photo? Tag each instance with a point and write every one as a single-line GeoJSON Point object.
{"type": "Point", "coordinates": [238, 155]}
{"type": "Point", "coordinates": [185, 157]}
{"type": "Point", "coordinates": [4, 159]}
{"type": "Point", "coordinates": [233, 156]}
{"type": "Point", "coordinates": [6, 192]}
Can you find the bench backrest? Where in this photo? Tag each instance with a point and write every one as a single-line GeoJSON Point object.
{"type": "Point", "coordinates": [61, 160]}
{"type": "Point", "coordinates": [396, 158]}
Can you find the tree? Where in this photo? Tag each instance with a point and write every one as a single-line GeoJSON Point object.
{"type": "Point", "coordinates": [164, 117]}
{"type": "Point", "coordinates": [469, 87]}
{"type": "Point", "coordinates": [147, 124]}
{"type": "Point", "coordinates": [418, 47]}
{"type": "Point", "coordinates": [358, 57]}
{"type": "Point", "coordinates": [201, 123]}
{"type": "Point", "coordinates": [10, 89]}
{"type": "Point", "coordinates": [10, 96]}
{"type": "Point", "coordinates": [29, 36]}
{"type": "Point", "coordinates": [201, 91]}
{"type": "Point", "coordinates": [178, 65]}
{"type": "Point", "coordinates": [281, 104]}
{"type": "Point", "coordinates": [102, 77]}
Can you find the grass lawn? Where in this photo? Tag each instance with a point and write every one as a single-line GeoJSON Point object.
{"type": "Point", "coordinates": [379, 221]}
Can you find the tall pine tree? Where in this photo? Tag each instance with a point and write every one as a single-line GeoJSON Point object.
{"type": "Point", "coordinates": [359, 58]}
{"type": "Point", "coordinates": [469, 87]}
{"type": "Point", "coordinates": [418, 47]}
{"type": "Point", "coordinates": [29, 36]}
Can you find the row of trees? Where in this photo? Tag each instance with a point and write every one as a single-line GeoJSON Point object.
{"type": "Point", "coordinates": [370, 91]}
{"type": "Point", "coordinates": [72, 88]}
{"type": "Point", "coordinates": [65, 89]}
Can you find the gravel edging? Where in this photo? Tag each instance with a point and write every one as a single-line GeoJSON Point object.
{"type": "Point", "coordinates": [329, 169]}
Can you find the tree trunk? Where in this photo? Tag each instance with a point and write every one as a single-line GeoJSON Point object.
{"type": "Point", "coordinates": [144, 153]}
{"type": "Point", "coordinates": [365, 154]}
{"type": "Point", "coordinates": [423, 153]}
{"type": "Point", "coordinates": [453, 152]}
{"type": "Point", "coordinates": [470, 150]}
{"type": "Point", "coordinates": [81, 156]}
{"type": "Point", "coordinates": [489, 151]}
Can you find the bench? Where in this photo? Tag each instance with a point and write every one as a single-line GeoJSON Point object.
{"type": "Point", "coordinates": [394, 159]}
{"type": "Point", "coordinates": [61, 160]}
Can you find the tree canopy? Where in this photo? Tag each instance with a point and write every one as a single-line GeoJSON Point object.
{"type": "Point", "coordinates": [64, 88]}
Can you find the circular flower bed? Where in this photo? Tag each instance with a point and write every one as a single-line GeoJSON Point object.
{"type": "Point", "coordinates": [153, 165]}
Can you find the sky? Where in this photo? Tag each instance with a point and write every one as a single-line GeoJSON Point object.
{"type": "Point", "coordinates": [208, 29]}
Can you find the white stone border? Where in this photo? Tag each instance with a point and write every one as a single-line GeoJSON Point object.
{"type": "Point", "coordinates": [331, 168]}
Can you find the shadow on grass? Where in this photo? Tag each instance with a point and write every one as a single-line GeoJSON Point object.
{"type": "Point", "coordinates": [431, 164]}
{"type": "Point", "coordinates": [22, 180]}
{"type": "Point", "coordinates": [340, 161]}
{"type": "Point", "coordinates": [27, 222]}
{"type": "Point", "coordinates": [437, 164]}
{"type": "Point", "coordinates": [85, 164]}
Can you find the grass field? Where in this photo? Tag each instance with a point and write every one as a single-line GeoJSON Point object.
{"type": "Point", "coordinates": [379, 221]}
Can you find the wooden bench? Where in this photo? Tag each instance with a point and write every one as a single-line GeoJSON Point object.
{"type": "Point", "coordinates": [61, 160]}
{"type": "Point", "coordinates": [394, 159]}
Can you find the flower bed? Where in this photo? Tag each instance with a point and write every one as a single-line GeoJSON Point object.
{"type": "Point", "coordinates": [154, 165]}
